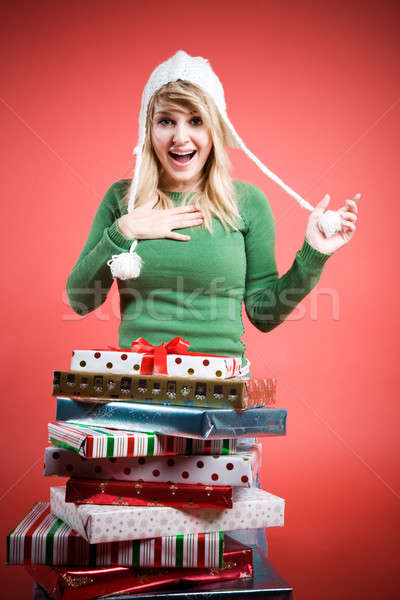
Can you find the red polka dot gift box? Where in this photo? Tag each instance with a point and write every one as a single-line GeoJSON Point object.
{"type": "Point", "coordinates": [237, 470]}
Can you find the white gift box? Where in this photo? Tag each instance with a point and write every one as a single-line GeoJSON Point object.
{"type": "Point", "coordinates": [252, 508]}
{"type": "Point", "coordinates": [180, 365]}
{"type": "Point", "coordinates": [238, 470]}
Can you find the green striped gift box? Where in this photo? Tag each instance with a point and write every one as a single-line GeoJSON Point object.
{"type": "Point", "coordinates": [43, 539]}
{"type": "Point", "coordinates": [101, 442]}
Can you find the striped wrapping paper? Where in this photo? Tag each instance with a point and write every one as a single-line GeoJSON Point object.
{"type": "Point", "coordinates": [86, 583]}
{"type": "Point", "coordinates": [101, 442]}
{"type": "Point", "coordinates": [43, 539]}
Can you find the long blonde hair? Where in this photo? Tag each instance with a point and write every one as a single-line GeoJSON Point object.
{"type": "Point", "coordinates": [217, 194]}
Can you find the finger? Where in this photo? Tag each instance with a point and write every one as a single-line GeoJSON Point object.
{"type": "Point", "coordinates": [349, 225]}
{"type": "Point", "coordinates": [321, 206]}
{"type": "Point", "coordinates": [349, 216]}
{"type": "Point", "coordinates": [183, 209]}
{"type": "Point", "coordinates": [182, 218]}
{"type": "Point", "coordinates": [178, 236]}
{"type": "Point", "coordinates": [152, 201]}
{"type": "Point", "coordinates": [351, 205]}
{"type": "Point", "coordinates": [188, 216]}
{"type": "Point", "coordinates": [191, 223]}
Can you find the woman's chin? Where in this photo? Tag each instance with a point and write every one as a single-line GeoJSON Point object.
{"type": "Point", "coordinates": [172, 177]}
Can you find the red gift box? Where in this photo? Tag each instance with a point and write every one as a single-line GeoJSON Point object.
{"type": "Point", "coordinates": [139, 493]}
{"type": "Point", "coordinates": [86, 584]}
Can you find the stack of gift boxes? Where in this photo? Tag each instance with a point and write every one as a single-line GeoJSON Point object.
{"type": "Point", "coordinates": [159, 448]}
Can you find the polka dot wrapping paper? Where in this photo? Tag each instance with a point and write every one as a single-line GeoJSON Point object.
{"type": "Point", "coordinates": [238, 470]}
{"type": "Point", "coordinates": [133, 363]}
{"type": "Point", "coordinates": [252, 508]}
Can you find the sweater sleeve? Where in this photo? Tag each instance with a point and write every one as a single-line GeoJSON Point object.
{"type": "Point", "coordinates": [90, 279]}
{"type": "Point", "coordinates": [268, 297]}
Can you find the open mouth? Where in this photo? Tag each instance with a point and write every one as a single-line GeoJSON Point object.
{"type": "Point", "coordinates": [182, 158]}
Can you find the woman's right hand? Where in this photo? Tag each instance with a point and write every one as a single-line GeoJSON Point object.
{"type": "Point", "coordinates": [145, 223]}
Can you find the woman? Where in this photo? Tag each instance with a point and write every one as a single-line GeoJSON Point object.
{"type": "Point", "coordinates": [204, 244]}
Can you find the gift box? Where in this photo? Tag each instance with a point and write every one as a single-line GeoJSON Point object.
{"type": "Point", "coordinates": [252, 508]}
{"type": "Point", "coordinates": [86, 584]}
{"type": "Point", "coordinates": [178, 421]}
{"type": "Point", "coordinates": [127, 362]}
{"type": "Point", "coordinates": [43, 539]}
{"type": "Point", "coordinates": [100, 442]}
{"type": "Point", "coordinates": [161, 389]}
{"type": "Point", "coordinates": [141, 493]}
{"type": "Point", "coordinates": [238, 470]}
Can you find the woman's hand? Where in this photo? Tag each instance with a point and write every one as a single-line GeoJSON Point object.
{"type": "Point", "coordinates": [145, 223]}
{"type": "Point", "coordinates": [348, 215]}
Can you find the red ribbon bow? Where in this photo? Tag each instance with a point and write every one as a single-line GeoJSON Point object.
{"type": "Point", "coordinates": [155, 361]}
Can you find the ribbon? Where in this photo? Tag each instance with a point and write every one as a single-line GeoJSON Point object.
{"type": "Point", "coordinates": [155, 361]}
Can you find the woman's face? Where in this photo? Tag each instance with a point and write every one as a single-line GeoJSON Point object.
{"type": "Point", "coordinates": [182, 143]}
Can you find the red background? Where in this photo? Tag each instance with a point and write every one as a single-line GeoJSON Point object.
{"type": "Point", "coordinates": [313, 89]}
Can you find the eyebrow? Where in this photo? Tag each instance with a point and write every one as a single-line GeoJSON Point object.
{"type": "Point", "coordinates": [166, 112]}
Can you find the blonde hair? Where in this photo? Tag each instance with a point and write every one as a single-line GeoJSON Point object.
{"type": "Point", "coordinates": [217, 194]}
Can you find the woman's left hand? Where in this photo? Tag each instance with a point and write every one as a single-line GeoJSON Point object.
{"type": "Point", "coordinates": [348, 215]}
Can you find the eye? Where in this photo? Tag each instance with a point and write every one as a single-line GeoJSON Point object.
{"type": "Point", "coordinates": [197, 121]}
{"type": "Point", "coordinates": [164, 122]}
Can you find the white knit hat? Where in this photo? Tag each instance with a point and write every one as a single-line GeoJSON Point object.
{"type": "Point", "coordinates": [198, 71]}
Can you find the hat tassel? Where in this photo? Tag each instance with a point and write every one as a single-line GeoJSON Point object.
{"type": "Point", "coordinates": [126, 265]}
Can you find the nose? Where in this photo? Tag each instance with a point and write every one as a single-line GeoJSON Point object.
{"type": "Point", "coordinates": [180, 134]}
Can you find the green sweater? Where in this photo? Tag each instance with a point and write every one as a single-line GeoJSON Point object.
{"type": "Point", "coordinates": [195, 289]}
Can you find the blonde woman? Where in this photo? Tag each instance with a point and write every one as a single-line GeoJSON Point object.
{"type": "Point", "coordinates": [204, 243]}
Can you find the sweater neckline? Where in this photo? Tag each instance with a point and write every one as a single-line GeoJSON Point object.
{"type": "Point", "coordinates": [178, 195]}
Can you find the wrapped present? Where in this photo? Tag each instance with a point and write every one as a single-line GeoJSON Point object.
{"type": "Point", "coordinates": [252, 508]}
{"type": "Point", "coordinates": [101, 442]}
{"type": "Point", "coordinates": [179, 421]}
{"type": "Point", "coordinates": [159, 389]}
{"type": "Point", "coordinates": [167, 359]}
{"type": "Point", "coordinates": [86, 584]}
{"type": "Point", "coordinates": [238, 470]}
{"type": "Point", "coordinates": [43, 539]}
{"type": "Point", "coordinates": [141, 493]}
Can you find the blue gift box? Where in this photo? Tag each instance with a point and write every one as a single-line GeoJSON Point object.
{"type": "Point", "coordinates": [200, 423]}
